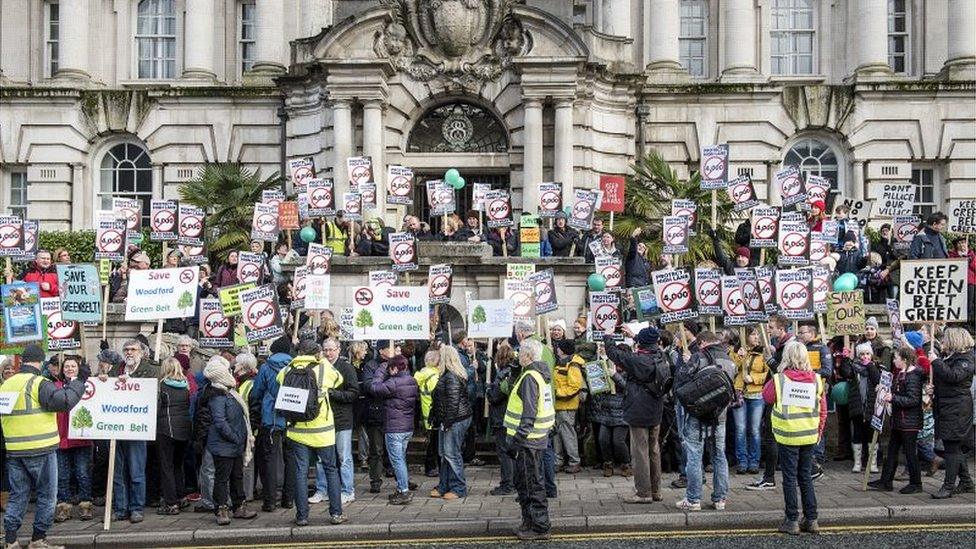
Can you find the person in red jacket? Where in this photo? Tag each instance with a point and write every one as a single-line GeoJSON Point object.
{"type": "Point", "coordinates": [43, 273]}
{"type": "Point", "coordinates": [961, 248]}
{"type": "Point", "coordinates": [74, 458]}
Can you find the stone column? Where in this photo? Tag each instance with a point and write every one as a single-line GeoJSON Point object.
{"type": "Point", "coordinates": [373, 147]}
{"type": "Point", "coordinates": [872, 33]}
{"type": "Point", "coordinates": [199, 42]}
{"type": "Point", "coordinates": [617, 17]}
{"type": "Point", "coordinates": [269, 45]}
{"type": "Point", "coordinates": [739, 20]}
{"type": "Point", "coordinates": [961, 60]}
{"type": "Point", "coordinates": [342, 130]}
{"type": "Point", "coordinates": [316, 14]}
{"type": "Point", "coordinates": [73, 50]}
{"type": "Point", "coordinates": [531, 154]}
{"type": "Point", "coordinates": [665, 21]}
{"type": "Point", "coordinates": [563, 149]}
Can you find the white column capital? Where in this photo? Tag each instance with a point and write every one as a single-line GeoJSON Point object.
{"type": "Point", "coordinates": [738, 28]}
{"type": "Point", "coordinates": [872, 36]}
{"type": "Point", "coordinates": [269, 45]}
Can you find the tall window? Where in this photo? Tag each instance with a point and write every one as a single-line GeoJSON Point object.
{"type": "Point", "coordinates": [52, 38]}
{"type": "Point", "coordinates": [247, 36]}
{"type": "Point", "coordinates": [18, 194]}
{"type": "Point", "coordinates": [694, 27]}
{"type": "Point", "coordinates": [458, 127]}
{"type": "Point", "coordinates": [793, 37]}
{"type": "Point", "coordinates": [126, 173]}
{"type": "Point", "coordinates": [813, 156]}
{"type": "Point", "coordinates": [925, 195]}
{"type": "Point", "coordinates": [156, 39]}
{"type": "Point", "coordinates": [898, 35]}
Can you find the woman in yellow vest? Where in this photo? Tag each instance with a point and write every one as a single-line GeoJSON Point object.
{"type": "Point", "coordinates": [426, 380]}
{"type": "Point", "coordinates": [798, 417]}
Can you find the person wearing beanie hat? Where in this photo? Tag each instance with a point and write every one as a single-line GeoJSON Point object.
{"type": "Point", "coordinates": [268, 451]}
{"type": "Point", "coordinates": [557, 331]}
{"type": "Point", "coordinates": [397, 390]}
{"type": "Point", "coordinates": [567, 381]}
{"type": "Point", "coordinates": [562, 237]}
{"type": "Point", "coordinates": [871, 322]}
{"type": "Point", "coordinates": [915, 339]}
{"type": "Point", "coordinates": [816, 216]}
{"type": "Point", "coordinates": [32, 440]}
{"type": "Point", "coordinates": [743, 255]}
{"type": "Point", "coordinates": [647, 337]}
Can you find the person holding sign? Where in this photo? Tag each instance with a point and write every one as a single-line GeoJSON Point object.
{"type": "Point", "coordinates": [42, 272]}
{"type": "Point", "coordinates": [30, 428]}
{"type": "Point", "coordinates": [953, 376]}
{"type": "Point", "coordinates": [960, 248]}
{"type": "Point", "coordinates": [799, 416]}
{"type": "Point", "coordinates": [906, 416]}
{"type": "Point", "coordinates": [227, 272]}
{"type": "Point", "coordinates": [74, 456]}
{"type": "Point", "coordinates": [929, 242]}
{"type": "Point", "coordinates": [637, 266]}
{"type": "Point", "coordinates": [562, 237]}
{"type": "Point", "coordinates": [504, 241]}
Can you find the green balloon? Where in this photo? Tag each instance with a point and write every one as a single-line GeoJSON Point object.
{"type": "Point", "coordinates": [458, 184]}
{"type": "Point", "coordinates": [307, 234]}
{"type": "Point", "coordinates": [845, 282]}
{"type": "Point", "coordinates": [596, 282]}
{"type": "Point", "coordinates": [451, 176]}
{"type": "Point", "coordinates": [840, 392]}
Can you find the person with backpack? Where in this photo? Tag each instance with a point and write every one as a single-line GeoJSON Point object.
{"type": "Point", "coordinates": [799, 400]}
{"type": "Point", "coordinates": [426, 379]}
{"type": "Point", "coordinates": [648, 380]}
{"type": "Point", "coordinates": [274, 462]}
{"type": "Point", "coordinates": [397, 389]}
{"type": "Point", "coordinates": [342, 400]}
{"type": "Point", "coordinates": [311, 432]}
{"type": "Point", "coordinates": [568, 383]}
{"type": "Point", "coordinates": [703, 386]}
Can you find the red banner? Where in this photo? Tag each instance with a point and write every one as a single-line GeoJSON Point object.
{"type": "Point", "coordinates": [613, 193]}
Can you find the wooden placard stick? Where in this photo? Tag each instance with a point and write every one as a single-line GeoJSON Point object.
{"type": "Point", "coordinates": [491, 360]}
{"type": "Point", "coordinates": [109, 481]}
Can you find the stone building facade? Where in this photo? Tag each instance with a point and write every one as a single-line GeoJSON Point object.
{"type": "Point", "coordinates": [102, 98]}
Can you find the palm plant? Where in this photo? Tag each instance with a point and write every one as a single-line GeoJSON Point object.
{"type": "Point", "coordinates": [227, 192]}
{"type": "Point", "coordinates": [650, 188]}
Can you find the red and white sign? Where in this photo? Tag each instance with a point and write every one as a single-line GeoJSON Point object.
{"type": "Point", "coordinates": [260, 314]}
{"type": "Point", "coordinates": [794, 241]}
{"type": "Point", "coordinates": [399, 185]}
{"type": "Point", "coordinates": [250, 267]}
{"type": "Point", "coordinates": [612, 187]}
{"type": "Point", "coordinates": [790, 186]}
{"type": "Point", "coordinates": [674, 293]}
{"type": "Point", "coordinates": [11, 235]}
{"type": "Point", "coordinates": [765, 223]}
{"type": "Point", "coordinates": [604, 313]}
{"type": "Point", "coordinates": [733, 306]}
{"type": "Point", "coordinates": [216, 330]}
{"type": "Point", "coordinates": [318, 259]}
{"type": "Point", "coordinates": [498, 208]}
{"type": "Point", "coordinates": [550, 199]}
{"type": "Point", "coordinates": [403, 251]}
{"type": "Point", "coordinates": [544, 286]}
{"type": "Point", "coordinates": [162, 220]}
{"type": "Point", "coordinates": [321, 198]}
{"type": "Point", "coordinates": [714, 167]}
{"type": "Point", "coordinates": [794, 293]}
{"type": "Point", "coordinates": [611, 268]}
{"type": "Point", "coordinates": [520, 293]}
{"type": "Point", "coordinates": [191, 225]}
{"type": "Point", "coordinates": [676, 234]}
{"type": "Point", "coordinates": [439, 283]}
{"type": "Point", "coordinates": [905, 228]}
{"type": "Point", "coordinates": [109, 236]}
{"type": "Point", "coordinates": [743, 193]}
{"type": "Point", "coordinates": [264, 222]}
{"type": "Point", "coordinates": [301, 169]}
{"type": "Point", "coordinates": [352, 205]}
{"type": "Point", "coordinates": [708, 291]}
{"type": "Point", "coordinates": [129, 209]}
{"type": "Point", "coordinates": [360, 170]}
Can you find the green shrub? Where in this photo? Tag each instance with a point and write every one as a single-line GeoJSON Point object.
{"type": "Point", "coordinates": [81, 245]}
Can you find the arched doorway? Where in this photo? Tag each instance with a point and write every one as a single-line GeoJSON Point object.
{"type": "Point", "coordinates": [448, 133]}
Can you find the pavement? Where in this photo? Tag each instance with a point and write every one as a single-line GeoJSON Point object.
{"type": "Point", "coordinates": [587, 503]}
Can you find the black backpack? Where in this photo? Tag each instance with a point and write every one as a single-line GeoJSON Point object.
{"type": "Point", "coordinates": [661, 380]}
{"type": "Point", "coordinates": [706, 392]}
{"type": "Point", "coordinates": [302, 378]}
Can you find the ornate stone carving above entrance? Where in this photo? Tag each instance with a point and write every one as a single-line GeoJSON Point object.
{"type": "Point", "coordinates": [460, 40]}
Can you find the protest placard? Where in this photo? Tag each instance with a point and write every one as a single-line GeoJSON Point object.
{"type": "Point", "coordinates": [714, 166]}
{"type": "Point", "coordinates": [288, 216]}
{"type": "Point", "coordinates": [478, 193]}
{"type": "Point", "coordinates": [860, 210]}
{"type": "Point", "coordinates": [790, 186]}
{"type": "Point", "coordinates": [62, 334]}
{"type": "Point", "coordinates": [604, 313]}
{"type": "Point", "coordinates": [933, 290]}
{"type": "Point", "coordinates": [529, 239]}
{"type": "Point", "coordinates": [520, 293]}
{"type": "Point", "coordinates": [904, 228]}
{"type": "Point", "coordinates": [766, 280]}
{"type": "Point", "coordinates": [191, 225]}
{"type": "Point", "coordinates": [880, 403]}
{"type": "Point", "coordinates": [272, 197]}
{"type": "Point", "coordinates": [544, 288]}
{"type": "Point", "coordinates": [687, 209]}
{"type": "Point", "coordinates": [298, 287]}
{"type": "Point", "coordinates": [318, 259]}
{"type": "Point", "coordinates": [378, 279]}
{"type": "Point", "coordinates": [821, 286]}
{"type": "Point", "coordinates": [794, 293]}
{"type": "Point", "coordinates": [79, 286]}
{"type": "Point", "coordinates": [399, 185]}
{"type": "Point", "coordinates": [819, 247]}
{"type": "Point", "coordinates": [346, 328]}
{"type": "Point", "coordinates": [115, 410]}
{"type": "Point", "coordinates": [109, 237]}
{"type": "Point", "coordinates": [765, 224]}
{"type": "Point", "coordinates": [321, 198]}
{"type": "Point", "coordinates": [129, 209]}
{"type": "Point", "coordinates": [962, 215]}
{"type": "Point", "coordinates": [490, 318]}
{"type": "Point", "coordinates": [367, 193]}
{"type": "Point", "coordinates": [352, 206]}
{"type": "Point", "coordinates": [360, 170]}
{"type": "Point", "coordinates": [403, 252]}
{"type": "Point", "coordinates": [439, 283]}
{"type": "Point", "coordinates": [794, 241]}
{"type": "Point", "coordinates": [894, 317]}
{"type": "Point", "coordinates": [260, 314]}
{"type": "Point", "coordinates": [675, 297]}
{"type": "Point", "coordinates": [250, 267]}
{"type": "Point", "coordinates": [612, 270]}
{"type": "Point", "coordinates": [498, 208]}
{"type": "Point", "coordinates": [645, 302]}
{"type": "Point", "coordinates": [612, 187]}
{"type": "Point", "coordinates": [584, 208]}
{"type": "Point", "coordinates": [895, 199]}
{"type": "Point", "coordinates": [21, 312]}
{"type": "Point", "coordinates": [845, 313]}
{"type": "Point", "coordinates": [676, 234]}
{"type": "Point", "coordinates": [751, 295]}
{"type": "Point", "coordinates": [264, 223]}
{"type": "Point", "coordinates": [829, 230]}
{"type": "Point", "coordinates": [708, 291]}
{"type": "Point", "coordinates": [550, 199]}
{"type": "Point", "coordinates": [400, 312]}
{"type": "Point", "coordinates": [162, 220]}
{"type": "Point", "coordinates": [440, 197]}
{"type": "Point", "coordinates": [156, 294]}
{"type": "Point", "coordinates": [733, 306]}
{"type": "Point", "coordinates": [230, 301]}
{"type": "Point", "coordinates": [742, 193]}
{"type": "Point", "coordinates": [318, 292]}
{"type": "Point", "coordinates": [216, 329]}
{"type": "Point", "coordinates": [28, 249]}
{"type": "Point", "coordinates": [817, 188]}
{"type": "Point", "coordinates": [12, 234]}
{"type": "Point", "coordinates": [301, 170]}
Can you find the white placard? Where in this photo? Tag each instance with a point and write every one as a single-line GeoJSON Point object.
{"type": "Point", "coordinates": [7, 401]}
{"type": "Point", "coordinates": [116, 409]}
{"type": "Point", "coordinates": [317, 292]}
{"type": "Point", "coordinates": [490, 318]}
{"type": "Point", "coordinates": [399, 312]}
{"type": "Point", "coordinates": [161, 293]}
{"type": "Point", "coordinates": [291, 399]}
{"type": "Point", "coordinates": [796, 393]}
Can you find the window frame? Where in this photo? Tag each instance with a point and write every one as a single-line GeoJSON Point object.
{"type": "Point", "coordinates": [97, 175]}
{"type": "Point", "coordinates": [906, 34]}
{"type": "Point", "coordinates": [790, 56]}
{"type": "Point", "coordinates": [18, 209]}
{"type": "Point", "coordinates": [937, 200]}
{"type": "Point", "coordinates": [702, 38]}
{"type": "Point", "coordinates": [241, 41]}
{"type": "Point", "coordinates": [177, 42]}
{"type": "Point", "coordinates": [842, 181]}
{"type": "Point", "coordinates": [51, 61]}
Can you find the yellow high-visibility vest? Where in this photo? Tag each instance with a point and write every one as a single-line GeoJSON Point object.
{"type": "Point", "coordinates": [336, 238]}
{"type": "Point", "coordinates": [28, 429]}
{"type": "Point", "coordinates": [426, 381]}
{"type": "Point", "coordinates": [814, 356]}
{"type": "Point", "coordinates": [795, 425]}
{"type": "Point", "coordinates": [545, 417]}
{"type": "Point", "coordinates": [320, 432]}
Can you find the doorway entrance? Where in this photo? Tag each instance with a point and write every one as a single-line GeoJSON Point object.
{"type": "Point", "coordinates": [462, 197]}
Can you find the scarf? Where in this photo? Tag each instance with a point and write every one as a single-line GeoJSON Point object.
{"type": "Point", "coordinates": [218, 372]}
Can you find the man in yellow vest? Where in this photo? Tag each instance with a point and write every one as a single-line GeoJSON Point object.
{"type": "Point", "coordinates": [30, 428]}
{"type": "Point", "coordinates": [529, 418]}
{"type": "Point", "coordinates": [316, 437]}
{"type": "Point", "coordinates": [336, 235]}
{"type": "Point", "coordinates": [798, 417]}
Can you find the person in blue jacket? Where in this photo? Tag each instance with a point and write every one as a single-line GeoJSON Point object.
{"type": "Point", "coordinates": [271, 452]}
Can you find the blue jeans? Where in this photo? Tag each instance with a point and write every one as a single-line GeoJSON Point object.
{"type": "Point", "coordinates": [129, 484]}
{"type": "Point", "coordinates": [694, 441]}
{"type": "Point", "coordinates": [748, 418]}
{"type": "Point", "coordinates": [396, 449]}
{"type": "Point", "coordinates": [205, 480]}
{"type": "Point", "coordinates": [41, 474]}
{"type": "Point", "coordinates": [679, 420]}
{"type": "Point", "coordinates": [347, 471]}
{"type": "Point", "coordinates": [796, 465]}
{"type": "Point", "coordinates": [449, 445]}
{"type": "Point", "coordinates": [327, 457]}
{"type": "Point", "coordinates": [77, 463]}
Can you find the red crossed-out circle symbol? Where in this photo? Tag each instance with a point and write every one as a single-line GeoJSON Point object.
{"type": "Point", "coordinates": [186, 276]}
{"type": "Point", "coordinates": [400, 186]}
{"type": "Point", "coordinates": [440, 285]}
{"type": "Point", "coordinates": [764, 227]}
{"type": "Point", "coordinates": [260, 314]}
{"type": "Point", "coordinates": [216, 325]}
{"type": "Point", "coordinates": [675, 234]}
{"type": "Point", "coordinates": [543, 292]}
{"type": "Point", "coordinates": [369, 196]}
{"type": "Point", "coordinates": [89, 390]}
{"type": "Point", "coordinates": [794, 244]}
{"type": "Point", "coordinates": [582, 209]}
{"type": "Point", "coordinates": [612, 274]}
{"type": "Point", "coordinates": [191, 225]}
{"type": "Point", "coordinates": [606, 317]}
{"type": "Point", "coordinates": [742, 192]}
{"type": "Point", "coordinates": [734, 304]}
{"type": "Point", "coordinates": [321, 197]}
{"type": "Point", "coordinates": [498, 209]}
{"type": "Point", "coordinates": [820, 286]}
{"type": "Point", "coordinates": [549, 201]}
{"type": "Point", "coordinates": [9, 236]}
{"type": "Point", "coordinates": [353, 205]}
{"type": "Point", "coordinates": [684, 212]}
{"type": "Point", "coordinates": [30, 238]}
{"type": "Point", "coordinates": [250, 272]}
{"type": "Point", "coordinates": [403, 253]}
{"type": "Point", "coordinates": [57, 328]}
{"type": "Point", "coordinates": [110, 241]}
{"type": "Point", "coordinates": [795, 295]}
{"type": "Point", "coordinates": [675, 296]}
{"type": "Point", "coordinates": [360, 174]}
{"type": "Point", "coordinates": [818, 251]}
{"type": "Point", "coordinates": [906, 232]}
{"type": "Point", "coordinates": [267, 223]}
{"type": "Point", "coordinates": [443, 197]}
{"type": "Point", "coordinates": [765, 289]}
{"type": "Point", "coordinates": [131, 217]}
{"type": "Point", "coordinates": [364, 296]}
{"type": "Point", "coordinates": [816, 192]}
{"type": "Point", "coordinates": [274, 202]}
{"type": "Point", "coordinates": [301, 174]}
{"type": "Point", "coordinates": [791, 186]}
{"type": "Point", "coordinates": [164, 220]}
{"type": "Point", "coordinates": [318, 264]}
{"type": "Point", "coordinates": [300, 285]}
{"type": "Point", "coordinates": [713, 167]}
{"type": "Point", "coordinates": [523, 303]}
{"type": "Point", "coordinates": [752, 296]}
{"type": "Point", "coordinates": [709, 293]}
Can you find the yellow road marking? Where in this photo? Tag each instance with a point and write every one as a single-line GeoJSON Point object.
{"type": "Point", "coordinates": [597, 536]}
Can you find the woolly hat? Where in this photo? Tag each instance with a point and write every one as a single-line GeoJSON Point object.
{"type": "Point", "coordinates": [109, 356]}
{"type": "Point", "coordinates": [819, 204]}
{"type": "Point", "coordinates": [567, 346]}
{"type": "Point", "coordinates": [32, 353]}
{"type": "Point", "coordinates": [647, 337]}
{"type": "Point", "coordinates": [281, 345]}
{"type": "Point", "coordinates": [217, 371]}
{"type": "Point", "coordinates": [744, 252]}
{"type": "Point", "coordinates": [871, 322]}
{"type": "Point", "coordinates": [560, 323]}
{"type": "Point", "coordinates": [864, 348]}
{"type": "Point", "coordinates": [915, 339]}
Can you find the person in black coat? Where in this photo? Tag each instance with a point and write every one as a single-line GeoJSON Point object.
{"type": "Point", "coordinates": [472, 230]}
{"type": "Point", "coordinates": [743, 255]}
{"type": "Point", "coordinates": [375, 239]}
{"type": "Point", "coordinates": [451, 414]}
{"type": "Point", "coordinates": [343, 400]}
{"type": "Point", "coordinates": [906, 421]}
{"type": "Point", "coordinates": [507, 235]}
{"type": "Point", "coordinates": [637, 266]}
{"type": "Point", "coordinates": [372, 412]}
{"type": "Point", "coordinates": [953, 376]}
{"type": "Point", "coordinates": [173, 432]}
{"type": "Point", "coordinates": [499, 389]}
{"type": "Point", "coordinates": [562, 237]}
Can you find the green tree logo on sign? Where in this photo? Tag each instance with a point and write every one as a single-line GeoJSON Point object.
{"type": "Point", "coordinates": [82, 420]}
{"type": "Point", "coordinates": [478, 316]}
{"type": "Point", "coordinates": [186, 300]}
{"type": "Point", "coordinates": [364, 320]}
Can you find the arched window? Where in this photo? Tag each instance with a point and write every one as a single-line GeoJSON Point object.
{"type": "Point", "coordinates": [458, 127]}
{"type": "Point", "coordinates": [156, 39]}
{"type": "Point", "coordinates": [817, 157]}
{"type": "Point", "coordinates": [125, 172]}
